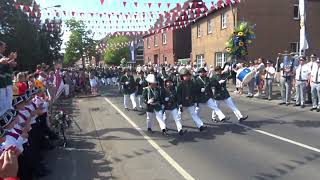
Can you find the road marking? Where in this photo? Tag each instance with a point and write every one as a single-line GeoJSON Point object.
{"type": "Point", "coordinates": [281, 138]}
{"type": "Point", "coordinates": [166, 156]}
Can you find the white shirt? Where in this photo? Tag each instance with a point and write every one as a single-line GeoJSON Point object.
{"type": "Point", "coordinates": [305, 71]}
{"type": "Point", "coordinates": [312, 65]}
{"type": "Point", "coordinates": [272, 71]}
{"type": "Point", "coordinates": [32, 108]}
{"type": "Point", "coordinates": [314, 73]}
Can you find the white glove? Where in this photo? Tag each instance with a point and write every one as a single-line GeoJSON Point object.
{"type": "Point", "coordinates": [150, 101]}
{"type": "Point", "coordinates": [222, 81]}
{"type": "Point", "coordinates": [140, 82]}
{"type": "Point", "coordinates": [127, 83]}
{"type": "Point", "coordinates": [196, 110]}
{"type": "Point", "coordinates": [166, 99]}
{"type": "Point", "coordinates": [203, 89]}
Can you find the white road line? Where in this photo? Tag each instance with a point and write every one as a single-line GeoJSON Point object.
{"type": "Point", "coordinates": [281, 138]}
{"type": "Point", "coordinates": [166, 156]}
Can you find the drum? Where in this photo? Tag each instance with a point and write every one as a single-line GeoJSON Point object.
{"type": "Point", "coordinates": [245, 75]}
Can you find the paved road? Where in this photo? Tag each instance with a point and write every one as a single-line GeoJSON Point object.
{"type": "Point", "coordinates": [275, 143]}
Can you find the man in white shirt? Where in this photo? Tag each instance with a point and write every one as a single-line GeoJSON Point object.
{"type": "Point", "coordinates": [315, 86]}
{"type": "Point", "coordinates": [312, 64]}
{"type": "Point", "coordinates": [302, 76]}
{"type": "Point", "coordinates": [269, 76]}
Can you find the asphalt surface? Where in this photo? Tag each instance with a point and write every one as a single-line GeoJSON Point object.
{"type": "Point", "coordinates": [276, 142]}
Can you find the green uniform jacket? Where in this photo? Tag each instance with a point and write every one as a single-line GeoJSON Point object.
{"type": "Point", "coordinates": [172, 95]}
{"type": "Point", "coordinates": [220, 90]}
{"type": "Point", "coordinates": [203, 82]}
{"type": "Point", "coordinates": [141, 86]}
{"type": "Point", "coordinates": [187, 93]}
{"type": "Point", "coordinates": [148, 94]}
{"type": "Point", "coordinates": [131, 87]}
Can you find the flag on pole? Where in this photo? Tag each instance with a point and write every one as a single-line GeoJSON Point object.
{"type": "Point", "coordinates": [303, 38]}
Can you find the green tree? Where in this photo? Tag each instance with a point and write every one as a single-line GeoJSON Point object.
{"type": "Point", "coordinates": [24, 34]}
{"type": "Point", "coordinates": [80, 44]}
{"type": "Point", "coordinates": [113, 54]}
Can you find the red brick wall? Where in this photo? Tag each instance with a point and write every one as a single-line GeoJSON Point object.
{"type": "Point", "coordinates": [162, 50]}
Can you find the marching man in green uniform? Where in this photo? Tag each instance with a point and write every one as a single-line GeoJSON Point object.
{"type": "Point", "coordinates": [129, 88]}
{"type": "Point", "coordinates": [186, 97]}
{"type": "Point", "coordinates": [220, 92]}
{"type": "Point", "coordinates": [205, 96]}
{"type": "Point", "coordinates": [141, 83]}
{"type": "Point", "coordinates": [169, 101]}
{"type": "Point", "coordinates": [152, 98]}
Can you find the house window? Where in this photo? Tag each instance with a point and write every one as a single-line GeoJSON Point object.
{"type": "Point", "coordinates": [155, 40]}
{"type": "Point", "coordinates": [200, 60]}
{"type": "Point", "coordinates": [198, 31]}
{"type": "Point", "coordinates": [221, 58]}
{"type": "Point", "coordinates": [164, 38]}
{"type": "Point", "coordinates": [148, 43]}
{"type": "Point", "coordinates": [224, 21]}
{"type": "Point", "coordinates": [296, 13]}
{"type": "Point", "coordinates": [294, 47]}
{"type": "Point", "coordinates": [209, 26]}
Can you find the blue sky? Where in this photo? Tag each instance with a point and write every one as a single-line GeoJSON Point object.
{"type": "Point", "coordinates": [108, 7]}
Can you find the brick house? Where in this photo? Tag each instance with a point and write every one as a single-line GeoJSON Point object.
{"type": "Point", "coordinates": [277, 29]}
{"type": "Point", "coordinates": [167, 44]}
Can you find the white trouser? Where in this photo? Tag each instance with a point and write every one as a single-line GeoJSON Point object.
{"type": "Point", "coordinates": [9, 94]}
{"type": "Point", "coordinates": [159, 118]}
{"type": "Point", "coordinates": [108, 81]}
{"type": "Point", "coordinates": [139, 97]}
{"type": "Point", "coordinates": [3, 101]}
{"type": "Point", "coordinates": [103, 81]}
{"type": "Point", "coordinates": [66, 89]}
{"type": "Point", "coordinates": [176, 116]}
{"type": "Point", "coordinates": [196, 119]}
{"type": "Point", "coordinates": [114, 80]}
{"type": "Point", "coordinates": [315, 92]}
{"type": "Point", "coordinates": [132, 98]}
{"type": "Point", "coordinates": [212, 104]}
{"type": "Point", "coordinates": [233, 107]}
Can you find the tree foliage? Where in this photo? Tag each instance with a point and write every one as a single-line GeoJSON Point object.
{"type": "Point", "coordinates": [27, 36]}
{"type": "Point", "coordinates": [113, 54]}
{"type": "Point", "coordinates": [80, 43]}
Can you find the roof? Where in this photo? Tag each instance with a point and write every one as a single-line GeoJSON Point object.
{"type": "Point", "coordinates": [179, 15]}
{"type": "Point", "coordinates": [219, 6]}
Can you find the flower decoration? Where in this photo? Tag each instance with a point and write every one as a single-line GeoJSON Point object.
{"type": "Point", "coordinates": [238, 43]}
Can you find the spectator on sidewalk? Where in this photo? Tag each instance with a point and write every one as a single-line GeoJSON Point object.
{"type": "Point", "coordinates": [260, 67]}
{"type": "Point", "coordinates": [21, 84]}
{"type": "Point", "coordinates": [287, 72]}
{"type": "Point", "coordinates": [269, 77]}
{"type": "Point", "coordinates": [315, 86]}
{"type": "Point", "coordinates": [302, 76]}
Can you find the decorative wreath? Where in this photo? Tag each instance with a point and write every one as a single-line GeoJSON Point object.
{"type": "Point", "coordinates": [242, 36]}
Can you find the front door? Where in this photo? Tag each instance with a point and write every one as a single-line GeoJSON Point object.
{"type": "Point", "coordinates": [156, 59]}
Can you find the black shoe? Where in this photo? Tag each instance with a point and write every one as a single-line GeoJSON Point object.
{"type": "Point", "coordinates": [269, 99]}
{"type": "Point", "coordinates": [302, 106]}
{"type": "Point", "coordinates": [312, 109]}
{"type": "Point", "coordinates": [296, 105]}
{"type": "Point", "coordinates": [135, 109]}
{"type": "Point", "coordinates": [225, 119]}
{"type": "Point", "coordinates": [127, 109]}
{"type": "Point", "coordinates": [282, 103]}
{"type": "Point", "coordinates": [318, 110]}
{"type": "Point", "coordinates": [181, 132]}
{"type": "Point", "coordinates": [243, 118]}
{"type": "Point", "coordinates": [150, 130]}
{"type": "Point", "coordinates": [287, 104]}
{"type": "Point", "coordinates": [164, 132]}
{"type": "Point", "coordinates": [202, 128]}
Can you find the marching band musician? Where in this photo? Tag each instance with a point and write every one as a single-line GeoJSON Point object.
{"type": "Point", "coordinates": [187, 97]}
{"type": "Point", "coordinates": [141, 83]}
{"type": "Point", "coordinates": [152, 99]}
{"type": "Point", "coordinates": [169, 101]}
{"type": "Point", "coordinates": [205, 96]}
{"type": "Point", "coordinates": [286, 67]}
{"type": "Point", "coordinates": [302, 76]}
{"type": "Point", "coordinates": [220, 92]}
{"type": "Point", "coordinates": [129, 88]}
